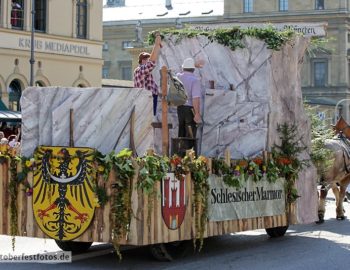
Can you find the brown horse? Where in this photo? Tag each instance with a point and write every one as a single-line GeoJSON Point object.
{"type": "Point", "coordinates": [342, 127]}
{"type": "Point", "coordinates": [337, 174]}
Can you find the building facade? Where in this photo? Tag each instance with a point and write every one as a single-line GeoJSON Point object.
{"type": "Point", "coordinates": [127, 22]}
{"type": "Point", "coordinates": [326, 71]}
{"type": "Point", "coordinates": [67, 45]}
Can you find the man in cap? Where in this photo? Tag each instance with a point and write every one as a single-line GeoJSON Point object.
{"type": "Point", "coordinates": [143, 77]}
{"type": "Point", "coordinates": [189, 113]}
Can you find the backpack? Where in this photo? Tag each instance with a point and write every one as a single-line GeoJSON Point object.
{"type": "Point", "coordinates": [176, 91]}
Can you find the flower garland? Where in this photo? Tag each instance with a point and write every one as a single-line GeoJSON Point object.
{"type": "Point", "coordinates": [153, 168]}
{"type": "Point", "coordinates": [198, 167]}
{"type": "Point", "coordinates": [121, 198]}
{"type": "Point", "coordinates": [9, 155]}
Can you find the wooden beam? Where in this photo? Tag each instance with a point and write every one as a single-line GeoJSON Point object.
{"type": "Point", "coordinates": [71, 128]}
{"type": "Point", "coordinates": [165, 130]}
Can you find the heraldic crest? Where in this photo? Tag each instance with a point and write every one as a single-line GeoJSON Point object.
{"type": "Point", "coordinates": [63, 191]}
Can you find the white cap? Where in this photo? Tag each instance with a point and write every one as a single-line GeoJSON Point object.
{"type": "Point", "coordinates": [188, 63]}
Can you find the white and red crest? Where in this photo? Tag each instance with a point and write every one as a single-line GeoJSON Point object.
{"type": "Point", "coordinates": [173, 201]}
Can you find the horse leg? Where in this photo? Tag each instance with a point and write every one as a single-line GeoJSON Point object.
{"type": "Point", "coordinates": [340, 209]}
{"type": "Point", "coordinates": [322, 204]}
{"type": "Point", "coordinates": [338, 202]}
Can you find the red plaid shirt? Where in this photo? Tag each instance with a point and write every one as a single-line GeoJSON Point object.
{"type": "Point", "coordinates": [143, 77]}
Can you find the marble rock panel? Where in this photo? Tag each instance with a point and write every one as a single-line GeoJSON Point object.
{"type": "Point", "coordinates": [101, 118]}
{"type": "Point", "coordinates": [233, 119]}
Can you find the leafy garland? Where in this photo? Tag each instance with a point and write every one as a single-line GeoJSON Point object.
{"type": "Point", "coordinates": [232, 37]}
{"type": "Point", "coordinates": [8, 155]}
{"type": "Point", "coordinates": [121, 199]}
{"type": "Point", "coordinates": [198, 167]}
{"type": "Point", "coordinates": [153, 168]}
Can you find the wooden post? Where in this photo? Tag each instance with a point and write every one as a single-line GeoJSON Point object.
{"type": "Point", "coordinates": [228, 156]}
{"type": "Point", "coordinates": [71, 128]}
{"type": "Point", "coordinates": [165, 130]}
{"type": "Point", "coordinates": [265, 156]}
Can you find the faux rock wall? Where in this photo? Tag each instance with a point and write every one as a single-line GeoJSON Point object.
{"type": "Point", "coordinates": [100, 118]}
{"type": "Point", "coordinates": [266, 92]}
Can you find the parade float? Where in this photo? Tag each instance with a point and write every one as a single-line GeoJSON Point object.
{"type": "Point", "coordinates": [93, 167]}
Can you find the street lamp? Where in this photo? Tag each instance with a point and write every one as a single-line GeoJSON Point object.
{"type": "Point", "coordinates": [336, 108]}
{"type": "Point", "coordinates": [32, 60]}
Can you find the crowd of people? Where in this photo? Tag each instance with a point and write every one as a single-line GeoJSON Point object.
{"type": "Point", "coordinates": [10, 140]}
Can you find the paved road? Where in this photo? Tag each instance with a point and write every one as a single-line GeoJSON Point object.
{"type": "Point", "coordinates": [311, 246]}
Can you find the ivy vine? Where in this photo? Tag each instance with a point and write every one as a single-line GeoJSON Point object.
{"type": "Point", "coordinates": [232, 37]}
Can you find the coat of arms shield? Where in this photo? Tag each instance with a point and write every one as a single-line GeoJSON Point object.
{"type": "Point", "coordinates": [63, 191]}
{"type": "Point", "coordinates": [173, 201]}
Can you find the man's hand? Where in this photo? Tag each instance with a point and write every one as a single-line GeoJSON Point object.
{"type": "Point", "coordinates": [197, 118]}
{"type": "Point", "coordinates": [199, 63]}
{"type": "Point", "coordinates": [158, 41]}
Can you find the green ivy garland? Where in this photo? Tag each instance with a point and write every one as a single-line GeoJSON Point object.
{"type": "Point", "coordinates": [121, 198]}
{"type": "Point", "coordinates": [153, 168]}
{"type": "Point", "coordinates": [198, 167]}
{"type": "Point", "coordinates": [231, 37]}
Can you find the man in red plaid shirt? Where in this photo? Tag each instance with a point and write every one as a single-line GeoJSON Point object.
{"type": "Point", "coordinates": [143, 77]}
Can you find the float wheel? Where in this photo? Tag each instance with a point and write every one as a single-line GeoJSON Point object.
{"type": "Point", "coordinates": [75, 247]}
{"type": "Point", "coordinates": [170, 251]}
{"type": "Point", "coordinates": [277, 231]}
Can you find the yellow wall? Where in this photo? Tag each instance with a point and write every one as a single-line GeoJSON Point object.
{"type": "Point", "coordinates": [54, 65]}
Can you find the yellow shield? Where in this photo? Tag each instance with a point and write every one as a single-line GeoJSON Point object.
{"type": "Point", "coordinates": [63, 191]}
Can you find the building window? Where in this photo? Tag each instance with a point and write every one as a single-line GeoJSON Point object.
{"type": "Point", "coordinates": [126, 73]}
{"type": "Point", "coordinates": [40, 15]}
{"type": "Point", "coordinates": [81, 18]}
{"type": "Point", "coordinates": [248, 6]}
{"type": "Point", "coordinates": [320, 72]}
{"type": "Point", "coordinates": [15, 92]}
{"type": "Point", "coordinates": [125, 68]}
{"type": "Point", "coordinates": [115, 3]}
{"type": "Point", "coordinates": [105, 72]}
{"type": "Point", "coordinates": [283, 5]}
{"type": "Point", "coordinates": [105, 46]}
{"type": "Point", "coordinates": [17, 15]}
{"type": "Point", "coordinates": [319, 4]}
{"type": "Point", "coordinates": [127, 44]}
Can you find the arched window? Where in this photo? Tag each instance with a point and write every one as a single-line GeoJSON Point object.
{"type": "Point", "coordinates": [81, 18]}
{"type": "Point", "coordinates": [40, 15]}
{"type": "Point", "coordinates": [17, 14]}
{"type": "Point", "coordinates": [15, 92]}
{"type": "Point", "coordinates": [39, 84]}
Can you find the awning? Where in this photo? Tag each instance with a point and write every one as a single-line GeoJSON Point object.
{"type": "Point", "coordinates": [10, 116]}
{"type": "Point", "coordinates": [3, 106]}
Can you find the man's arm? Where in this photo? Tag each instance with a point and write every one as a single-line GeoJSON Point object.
{"type": "Point", "coordinates": [156, 49]}
{"type": "Point", "coordinates": [196, 102]}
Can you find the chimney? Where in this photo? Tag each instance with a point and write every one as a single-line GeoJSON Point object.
{"type": "Point", "coordinates": [168, 4]}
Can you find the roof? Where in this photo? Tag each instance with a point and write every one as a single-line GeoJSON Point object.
{"type": "Point", "coordinates": [156, 9]}
{"type": "Point", "coordinates": [10, 116]}
{"type": "Point", "coordinates": [321, 101]}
